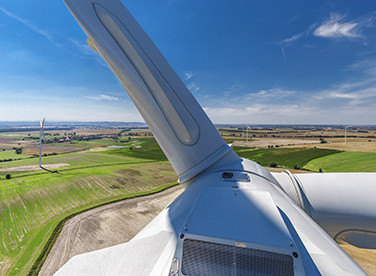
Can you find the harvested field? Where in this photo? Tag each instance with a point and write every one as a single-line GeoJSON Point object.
{"type": "Point", "coordinates": [353, 144]}
{"type": "Point", "coordinates": [51, 149]}
{"type": "Point", "coordinates": [106, 226]}
{"type": "Point", "coordinates": [265, 142]}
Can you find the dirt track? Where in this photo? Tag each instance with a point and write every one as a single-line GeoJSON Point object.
{"type": "Point", "coordinates": [106, 226]}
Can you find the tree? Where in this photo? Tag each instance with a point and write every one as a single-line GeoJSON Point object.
{"type": "Point", "coordinates": [18, 150]}
{"type": "Point", "coordinates": [8, 176]}
{"type": "Point", "coordinates": [273, 164]}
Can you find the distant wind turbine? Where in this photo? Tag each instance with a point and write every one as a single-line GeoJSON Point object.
{"type": "Point", "coordinates": [346, 133]}
{"type": "Point", "coordinates": [247, 131]}
{"type": "Point", "coordinates": [41, 133]}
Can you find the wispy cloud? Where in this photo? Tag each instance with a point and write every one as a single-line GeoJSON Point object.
{"type": "Point", "coordinates": [56, 39]}
{"type": "Point", "coordinates": [289, 40]}
{"type": "Point", "coordinates": [367, 66]}
{"type": "Point", "coordinates": [292, 39]}
{"type": "Point", "coordinates": [103, 97]}
{"type": "Point", "coordinates": [359, 92]}
{"type": "Point", "coordinates": [336, 27]}
{"type": "Point", "coordinates": [352, 100]}
{"type": "Point", "coordinates": [86, 51]}
{"type": "Point", "coordinates": [30, 25]}
{"type": "Point", "coordinates": [188, 75]}
{"type": "Point", "coordinates": [274, 93]}
{"type": "Point", "coordinates": [83, 47]}
{"type": "Point", "coordinates": [193, 87]}
{"type": "Point", "coordinates": [235, 88]}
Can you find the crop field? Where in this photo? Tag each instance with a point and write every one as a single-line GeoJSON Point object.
{"type": "Point", "coordinates": [149, 150]}
{"type": "Point", "coordinates": [345, 162]}
{"type": "Point", "coordinates": [10, 154]}
{"type": "Point", "coordinates": [33, 203]}
{"type": "Point", "coordinates": [353, 144]}
{"type": "Point", "coordinates": [288, 158]}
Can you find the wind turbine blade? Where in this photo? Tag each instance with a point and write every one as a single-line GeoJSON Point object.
{"type": "Point", "coordinates": [183, 130]}
{"type": "Point", "coordinates": [44, 119]}
{"type": "Point", "coordinates": [92, 45]}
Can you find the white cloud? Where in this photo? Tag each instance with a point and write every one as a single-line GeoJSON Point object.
{"type": "Point", "coordinates": [361, 92]}
{"type": "Point", "coordinates": [274, 93]}
{"type": "Point", "coordinates": [353, 101]}
{"type": "Point", "coordinates": [30, 25]}
{"type": "Point", "coordinates": [83, 48]}
{"type": "Point", "coordinates": [356, 93]}
{"type": "Point", "coordinates": [335, 27]}
{"type": "Point", "coordinates": [103, 97]}
{"type": "Point", "coordinates": [290, 40]}
{"type": "Point", "coordinates": [86, 51]}
{"type": "Point", "coordinates": [235, 88]}
{"type": "Point", "coordinates": [41, 98]}
{"type": "Point", "coordinates": [188, 75]}
{"type": "Point", "coordinates": [259, 113]}
{"type": "Point", "coordinates": [193, 87]}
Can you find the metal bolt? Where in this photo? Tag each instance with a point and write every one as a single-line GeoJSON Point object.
{"type": "Point", "coordinates": [295, 254]}
{"type": "Point", "coordinates": [182, 236]}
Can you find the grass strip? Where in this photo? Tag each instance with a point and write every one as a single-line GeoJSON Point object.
{"type": "Point", "coordinates": [37, 266]}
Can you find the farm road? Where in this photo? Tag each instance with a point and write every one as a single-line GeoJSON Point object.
{"type": "Point", "coordinates": [106, 226]}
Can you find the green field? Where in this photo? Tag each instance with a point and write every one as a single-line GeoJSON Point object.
{"type": "Point", "coordinates": [345, 162]}
{"type": "Point", "coordinates": [33, 203]}
{"type": "Point", "coordinates": [11, 154]}
{"type": "Point", "coordinates": [285, 157]}
{"type": "Point", "coordinates": [149, 149]}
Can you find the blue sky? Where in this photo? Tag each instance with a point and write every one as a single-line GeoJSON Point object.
{"type": "Point", "coordinates": [256, 62]}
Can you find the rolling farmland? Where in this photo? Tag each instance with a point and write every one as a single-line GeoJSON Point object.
{"type": "Point", "coordinates": [33, 203]}
{"type": "Point", "coordinates": [348, 161]}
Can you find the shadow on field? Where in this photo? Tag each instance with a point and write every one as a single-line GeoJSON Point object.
{"type": "Point", "coordinates": [51, 171]}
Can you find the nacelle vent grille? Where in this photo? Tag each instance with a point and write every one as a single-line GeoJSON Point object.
{"type": "Point", "coordinates": [206, 258]}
